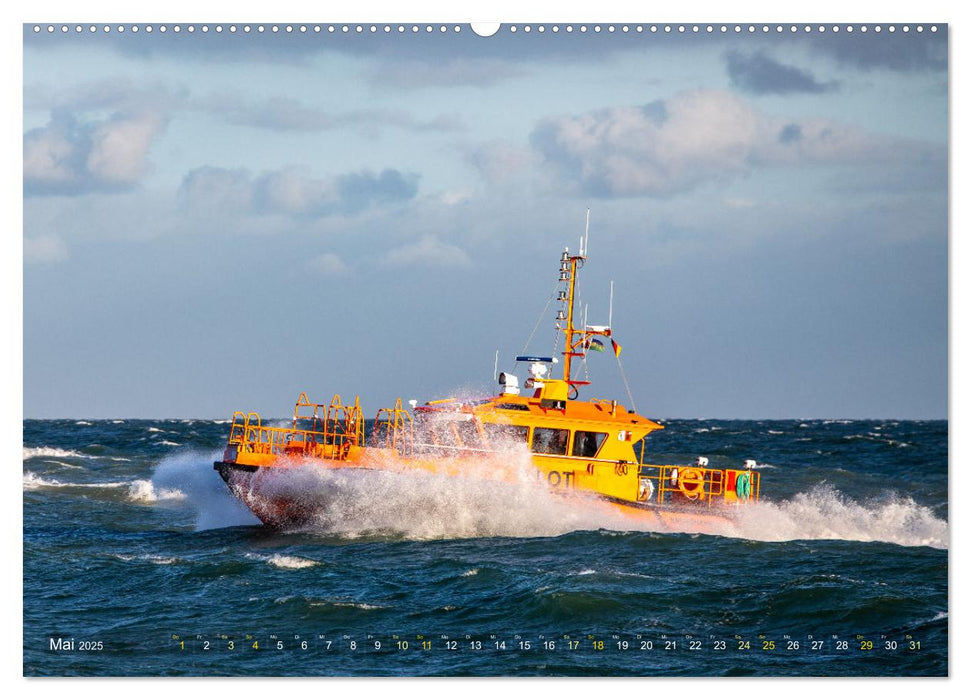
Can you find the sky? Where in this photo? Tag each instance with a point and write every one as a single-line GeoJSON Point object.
{"type": "Point", "coordinates": [217, 221]}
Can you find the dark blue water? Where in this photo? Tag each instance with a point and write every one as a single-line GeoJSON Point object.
{"type": "Point", "coordinates": [134, 550]}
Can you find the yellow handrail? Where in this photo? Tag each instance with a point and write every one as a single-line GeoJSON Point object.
{"type": "Point", "coordinates": [331, 434]}
{"type": "Point", "coordinates": [393, 429]}
{"type": "Point", "coordinates": [693, 483]}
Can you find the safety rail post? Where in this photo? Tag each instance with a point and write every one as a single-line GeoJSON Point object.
{"type": "Point", "coordinates": [390, 428]}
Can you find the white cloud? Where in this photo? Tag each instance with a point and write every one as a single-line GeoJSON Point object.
{"type": "Point", "coordinates": [669, 147]}
{"type": "Point", "coordinates": [47, 158]}
{"type": "Point", "coordinates": [457, 196]}
{"type": "Point", "coordinates": [70, 157]}
{"type": "Point", "coordinates": [44, 249]}
{"type": "Point", "coordinates": [119, 148]}
{"type": "Point", "coordinates": [294, 192]}
{"type": "Point", "coordinates": [428, 251]}
{"type": "Point", "coordinates": [329, 264]}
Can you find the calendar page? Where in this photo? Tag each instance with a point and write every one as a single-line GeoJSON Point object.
{"type": "Point", "coordinates": [553, 349]}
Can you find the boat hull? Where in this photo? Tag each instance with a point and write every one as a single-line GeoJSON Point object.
{"type": "Point", "coordinates": [316, 492]}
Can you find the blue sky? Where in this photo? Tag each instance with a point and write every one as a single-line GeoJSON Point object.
{"type": "Point", "coordinates": [220, 221]}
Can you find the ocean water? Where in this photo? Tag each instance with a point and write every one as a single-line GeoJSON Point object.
{"type": "Point", "coordinates": [137, 561]}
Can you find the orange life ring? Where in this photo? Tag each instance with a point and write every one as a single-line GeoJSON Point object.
{"type": "Point", "coordinates": [691, 481]}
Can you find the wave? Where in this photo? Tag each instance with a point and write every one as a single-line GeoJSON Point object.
{"type": "Point", "coordinates": [418, 505]}
{"type": "Point", "coordinates": [66, 465]}
{"type": "Point", "coordinates": [191, 474]}
{"type": "Point", "coordinates": [151, 558]}
{"type": "Point", "coordinates": [138, 491]}
{"type": "Point", "coordinates": [364, 503]}
{"type": "Point", "coordinates": [144, 491]}
{"type": "Point", "coordinates": [32, 482]}
{"type": "Point", "coordinates": [826, 514]}
{"type": "Point", "coordinates": [35, 452]}
{"type": "Point", "coordinates": [284, 561]}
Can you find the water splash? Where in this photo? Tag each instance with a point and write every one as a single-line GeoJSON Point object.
{"type": "Point", "coordinates": [501, 496]}
{"type": "Point", "coordinates": [825, 513]}
{"type": "Point", "coordinates": [144, 491]}
{"type": "Point", "coordinates": [191, 474]}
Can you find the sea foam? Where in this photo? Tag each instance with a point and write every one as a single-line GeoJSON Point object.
{"type": "Point", "coordinates": [32, 452]}
{"type": "Point", "coordinates": [825, 514]}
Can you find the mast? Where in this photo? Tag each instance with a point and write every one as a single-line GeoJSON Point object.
{"type": "Point", "coordinates": [568, 351]}
{"type": "Point", "coordinates": [575, 338]}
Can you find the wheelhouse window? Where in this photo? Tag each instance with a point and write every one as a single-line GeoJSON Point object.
{"type": "Point", "coordinates": [468, 434]}
{"type": "Point", "coordinates": [586, 443]}
{"type": "Point", "coordinates": [550, 441]}
{"type": "Point", "coordinates": [499, 434]}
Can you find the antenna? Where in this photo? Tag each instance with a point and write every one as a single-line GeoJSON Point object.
{"type": "Point", "coordinates": [586, 234]}
{"type": "Point", "coordinates": [610, 309]}
{"type": "Point", "coordinates": [495, 371]}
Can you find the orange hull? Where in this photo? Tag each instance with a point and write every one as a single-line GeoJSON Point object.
{"type": "Point", "coordinates": [302, 495]}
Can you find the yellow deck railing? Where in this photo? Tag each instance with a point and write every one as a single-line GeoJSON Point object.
{"type": "Point", "coordinates": [699, 484]}
{"type": "Point", "coordinates": [333, 429]}
{"type": "Point", "coordinates": [393, 429]}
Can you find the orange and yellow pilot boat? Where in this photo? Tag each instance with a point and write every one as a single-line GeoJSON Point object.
{"type": "Point", "coordinates": [577, 448]}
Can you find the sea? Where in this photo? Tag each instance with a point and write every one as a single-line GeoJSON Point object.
{"type": "Point", "coordinates": [137, 561]}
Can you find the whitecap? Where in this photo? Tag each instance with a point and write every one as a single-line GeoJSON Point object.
{"type": "Point", "coordinates": [826, 514]}
{"type": "Point", "coordinates": [33, 452]}
{"type": "Point", "coordinates": [359, 606]}
{"type": "Point", "coordinates": [157, 559]}
{"type": "Point", "coordinates": [81, 422]}
{"type": "Point", "coordinates": [470, 572]}
{"type": "Point", "coordinates": [63, 464]}
{"type": "Point", "coordinates": [32, 482]}
{"type": "Point", "coordinates": [144, 491]}
{"type": "Point", "coordinates": [284, 561]}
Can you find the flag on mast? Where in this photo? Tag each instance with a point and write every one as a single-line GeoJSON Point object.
{"type": "Point", "coordinates": [617, 347]}
{"type": "Point", "coordinates": [596, 345]}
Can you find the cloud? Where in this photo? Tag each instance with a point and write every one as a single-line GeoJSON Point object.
{"type": "Point", "coordinates": [447, 70]}
{"type": "Point", "coordinates": [428, 251]}
{"type": "Point", "coordinates": [294, 192]}
{"type": "Point", "coordinates": [44, 249]}
{"type": "Point", "coordinates": [328, 264]}
{"type": "Point", "coordinates": [760, 74]}
{"type": "Point", "coordinates": [499, 160]}
{"type": "Point", "coordinates": [218, 188]}
{"type": "Point", "coordinates": [71, 157]}
{"type": "Point", "coordinates": [698, 137]}
{"type": "Point", "coordinates": [118, 94]}
{"type": "Point", "coordinates": [905, 53]}
{"type": "Point", "coordinates": [283, 114]}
